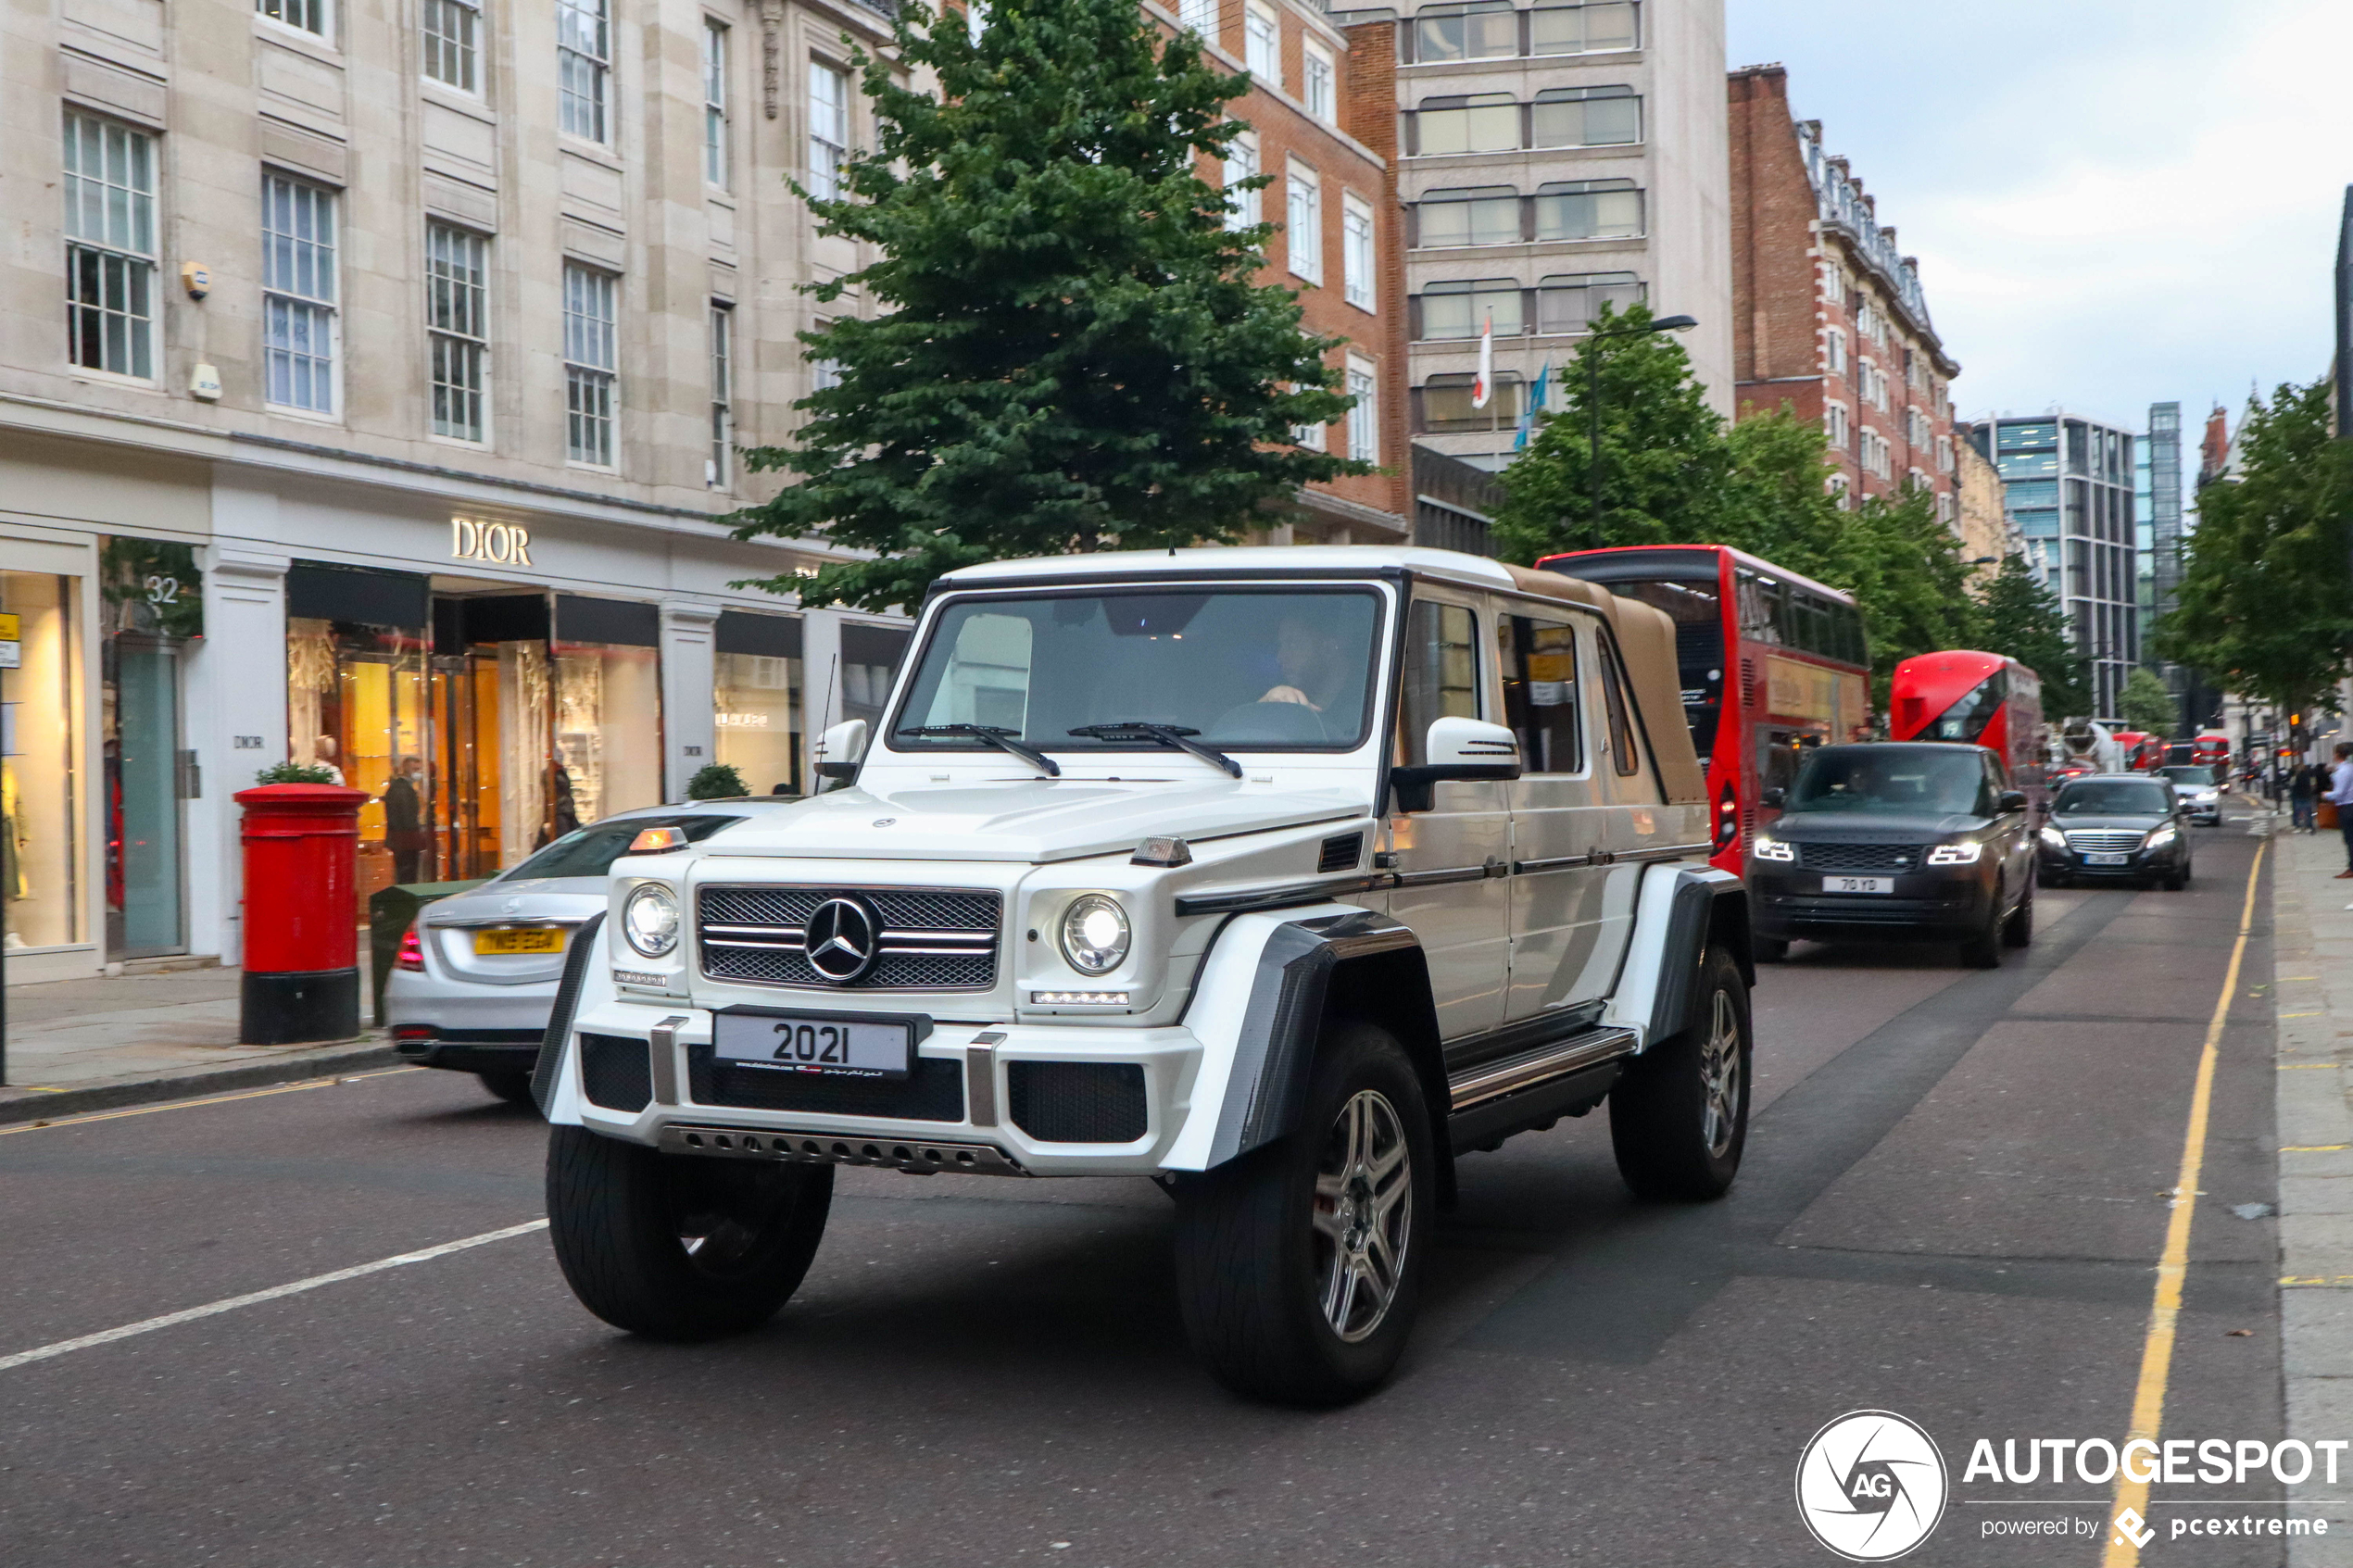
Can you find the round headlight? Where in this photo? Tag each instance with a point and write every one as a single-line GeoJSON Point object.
{"type": "Point", "coordinates": [649, 920]}
{"type": "Point", "coordinates": [1094, 933]}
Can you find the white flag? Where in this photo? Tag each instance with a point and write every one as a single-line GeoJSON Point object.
{"type": "Point", "coordinates": [1483, 389]}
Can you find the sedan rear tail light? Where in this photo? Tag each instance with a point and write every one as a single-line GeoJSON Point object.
{"type": "Point", "coordinates": [412, 956]}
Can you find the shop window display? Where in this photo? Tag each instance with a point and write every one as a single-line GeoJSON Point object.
{"type": "Point", "coordinates": [757, 693]}
{"type": "Point", "coordinates": [152, 607]}
{"type": "Point", "coordinates": [40, 837]}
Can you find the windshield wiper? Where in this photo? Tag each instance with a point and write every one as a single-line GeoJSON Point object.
{"type": "Point", "coordinates": [998, 736]}
{"type": "Point", "coordinates": [1176, 736]}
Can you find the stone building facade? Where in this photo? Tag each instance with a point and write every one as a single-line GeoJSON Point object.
{"type": "Point", "coordinates": [1979, 519]}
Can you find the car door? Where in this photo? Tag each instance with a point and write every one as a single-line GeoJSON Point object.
{"type": "Point", "coordinates": [1637, 820]}
{"type": "Point", "coordinates": [1451, 861]}
{"type": "Point", "coordinates": [1559, 819]}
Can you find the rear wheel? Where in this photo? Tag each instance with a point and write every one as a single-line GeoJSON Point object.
{"type": "Point", "coordinates": [2019, 930]}
{"type": "Point", "coordinates": [1679, 1118]}
{"type": "Point", "coordinates": [1299, 1265]}
{"type": "Point", "coordinates": [680, 1246]}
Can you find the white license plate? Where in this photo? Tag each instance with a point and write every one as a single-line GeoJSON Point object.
{"type": "Point", "coordinates": [2108, 859]}
{"type": "Point", "coordinates": [1858, 885]}
{"type": "Point", "coordinates": [814, 1043]}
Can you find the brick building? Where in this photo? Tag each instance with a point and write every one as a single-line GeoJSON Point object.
{"type": "Point", "coordinates": [1827, 314]}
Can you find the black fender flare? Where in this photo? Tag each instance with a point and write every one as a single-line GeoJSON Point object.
{"type": "Point", "coordinates": [1709, 909]}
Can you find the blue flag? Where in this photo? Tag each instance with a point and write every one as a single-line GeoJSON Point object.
{"type": "Point", "coordinates": [1535, 402]}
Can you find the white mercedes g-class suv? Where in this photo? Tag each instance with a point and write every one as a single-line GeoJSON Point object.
{"type": "Point", "coordinates": [1284, 877]}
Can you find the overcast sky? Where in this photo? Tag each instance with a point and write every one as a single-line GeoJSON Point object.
{"type": "Point", "coordinates": [2114, 202]}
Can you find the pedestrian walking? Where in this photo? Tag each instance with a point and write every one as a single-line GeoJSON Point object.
{"type": "Point", "coordinates": [2341, 796]}
{"type": "Point", "coordinates": [2304, 796]}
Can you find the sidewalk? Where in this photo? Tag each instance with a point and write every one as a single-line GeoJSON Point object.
{"type": "Point", "coordinates": [87, 1044]}
{"type": "Point", "coordinates": [2312, 991]}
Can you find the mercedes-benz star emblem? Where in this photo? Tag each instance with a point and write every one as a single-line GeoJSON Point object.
{"type": "Point", "coordinates": [840, 940]}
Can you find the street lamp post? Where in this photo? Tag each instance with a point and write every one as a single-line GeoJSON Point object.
{"type": "Point", "coordinates": [1593, 393]}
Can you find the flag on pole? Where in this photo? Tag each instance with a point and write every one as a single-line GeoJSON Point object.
{"type": "Point", "coordinates": [1483, 388]}
{"type": "Point", "coordinates": [1535, 403]}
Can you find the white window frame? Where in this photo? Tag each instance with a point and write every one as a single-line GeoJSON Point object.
{"type": "Point", "coordinates": [1263, 45]}
{"type": "Point", "coordinates": [1303, 211]}
{"type": "Point", "coordinates": [313, 17]}
{"type": "Point", "coordinates": [1312, 437]}
{"type": "Point", "coordinates": [1835, 351]}
{"type": "Point", "coordinates": [457, 332]}
{"type": "Point", "coordinates": [1840, 426]}
{"type": "Point", "coordinates": [583, 69]}
{"type": "Point", "coordinates": [1944, 454]}
{"type": "Point", "coordinates": [452, 38]}
{"type": "Point", "coordinates": [110, 240]}
{"type": "Point", "coordinates": [718, 165]}
{"type": "Point", "coordinates": [1320, 82]}
{"type": "Point", "coordinates": [719, 469]}
{"type": "Point", "coordinates": [828, 128]}
{"type": "Point", "coordinates": [1359, 253]}
{"type": "Point", "coordinates": [824, 374]}
{"type": "Point", "coordinates": [1243, 207]}
{"type": "Point", "coordinates": [1200, 17]}
{"type": "Point", "coordinates": [301, 320]}
{"type": "Point", "coordinates": [592, 377]}
{"type": "Point", "coordinates": [1364, 416]}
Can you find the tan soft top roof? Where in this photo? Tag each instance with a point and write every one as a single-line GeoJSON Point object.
{"type": "Point", "coordinates": [1647, 635]}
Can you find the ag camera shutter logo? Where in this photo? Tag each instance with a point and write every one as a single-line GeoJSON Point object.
{"type": "Point", "coordinates": [1872, 1485]}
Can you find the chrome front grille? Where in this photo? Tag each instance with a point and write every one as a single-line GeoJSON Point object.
{"type": "Point", "coordinates": [2104, 841]}
{"type": "Point", "coordinates": [1859, 856]}
{"type": "Point", "coordinates": [927, 938]}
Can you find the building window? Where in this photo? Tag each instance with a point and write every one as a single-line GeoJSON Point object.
{"type": "Point", "coordinates": [1478, 122]}
{"type": "Point", "coordinates": [1309, 436]}
{"type": "Point", "coordinates": [1198, 16]}
{"type": "Point", "coordinates": [1261, 45]}
{"type": "Point", "coordinates": [110, 246]}
{"type": "Point", "coordinates": [1580, 30]}
{"type": "Point", "coordinates": [1944, 509]}
{"type": "Point", "coordinates": [1364, 416]}
{"type": "Point", "coordinates": [1570, 304]}
{"type": "Point", "coordinates": [1836, 424]}
{"type": "Point", "coordinates": [1487, 31]}
{"type": "Point", "coordinates": [1461, 308]}
{"type": "Point", "coordinates": [719, 469]}
{"type": "Point", "coordinates": [1586, 116]}
{"type": "Point", "coordinates": [298, 293]}
{"type": "Point", "coordinates": [1241, 163]}
{"type": "Point", "coordinates": [1305, 240]}
{"type": "Point", "coordinates": [584, 65]}
{"type": "Point", "coordinates": [1838, 486]}
{"type": "Point", "coordinates": [828, 129]}
{"type": "Point", "coordinates": [1446, 405]}
{"type": "Point", "coordinates": [1834, 352]}
{"type": "Point", "coordinates": [589, 364]}
{"type": "Point", "coordinates": [1357, 254]}
{"type": "Point", "coordinates": [310, 15]}
{"type": "Point", "coordinates": [1316, 89]}
{"type": "Point", "coordinates": [453, 42]}
{"type": "Point", "coordinates": [1589, 210]}
{"type": "Point", "coordinates": [1944, 454]}
{"type": "Point", "coordinates": [457, 324]}
{"type": "Point", "coordinates": [1485, 215]}
{"type": "Point", "coordinates": [715, 103]}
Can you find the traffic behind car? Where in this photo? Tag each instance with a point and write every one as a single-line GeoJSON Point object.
{"type": "Point", "coordinates": [476, 973]}
{"type": "Point", "coordinates": [2116, 827]}
{"type": "Point", "coordinates": [2200, 793]}
{"type": "Point", "coordinates": [1896, 842]}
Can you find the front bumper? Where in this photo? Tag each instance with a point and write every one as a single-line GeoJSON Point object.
{"type": "Point", "coordinates": [996, 1099]}
{"type": "Point", "coordinates": [1946, 905]}
{"type": "Point", "coordinates": [2140, 863]}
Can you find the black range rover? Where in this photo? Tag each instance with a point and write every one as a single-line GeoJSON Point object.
{"type": "Point", "coordinates": [1894, 842]}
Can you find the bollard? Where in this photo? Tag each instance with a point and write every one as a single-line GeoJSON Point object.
{"type": "Point", "coordinates": [302, 936]}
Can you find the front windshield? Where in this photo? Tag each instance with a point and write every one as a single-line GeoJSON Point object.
{"type": "Point", "coordinates": [1282, 669]}
{"type": "Point", "coordinates": [1893, 780]}
{"type": "Point", "coordinates": [2114, 797]}
{"type": "Point", "coordinates": [590, 851]}
{"type": "Point", "coordinates": [2202, 774]}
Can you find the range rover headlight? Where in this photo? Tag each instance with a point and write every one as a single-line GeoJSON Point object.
{"type": "Point", "coordinates": [1094, 933]}
{"type": "Point", "coordinates": [1962, 853]}
{"type": "Point", "coordinates": [1767, 847]}
{"type": "Point", "coordinates": [649, 920]}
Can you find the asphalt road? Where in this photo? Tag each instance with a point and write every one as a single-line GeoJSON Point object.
{"type": "Point", "coordinates": [1954, 1199]}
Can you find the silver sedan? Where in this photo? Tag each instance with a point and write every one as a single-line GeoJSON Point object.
{"type": "Point", "coordinates": [477, 974]}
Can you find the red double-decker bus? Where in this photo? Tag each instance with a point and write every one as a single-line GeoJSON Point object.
{"type": "Point", "coordinates": [2142, 750]}
{"type": "Point", "coordinates": [1772, 664]}
{"type": "Point", "coordinates": [1985, 699]}
{"type": "Point", "coordinates": [2211, 746]}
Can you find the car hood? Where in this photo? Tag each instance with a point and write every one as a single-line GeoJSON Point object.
{"type": "Point", "coordinates": [2109, 820]}
{"type": "Point", "coordinates": [1872, 827]}
{"type": "Point", "coordinates": [1032, 820]}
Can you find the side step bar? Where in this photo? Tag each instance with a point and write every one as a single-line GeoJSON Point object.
{"type": "Point", "coordinates": [1534, 1088]}
{"type": "Point", "coordinates": [924, 1157]}
{"type": "Point", "coordinates": [1493, 1080]}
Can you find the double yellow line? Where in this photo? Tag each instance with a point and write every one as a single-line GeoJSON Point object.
{"type": "Point", "coordinates": [2172, 1265]}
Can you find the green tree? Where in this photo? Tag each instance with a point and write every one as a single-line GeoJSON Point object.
{"type": "Point", "coordinates": [1904, 567]}
{"type": "Point", "coordinates": [2145, 704]}
{"type": "Point", "coordinates": [2024, 620]}
{"type": "Point", "coordinates": [2266, 601]}
{"type": "Point", "coordinates": [716, 781]}
{"type": "Point", "coordinates": [1072, 349]}
{"type": "Point", "coordinates": [1666, 466]}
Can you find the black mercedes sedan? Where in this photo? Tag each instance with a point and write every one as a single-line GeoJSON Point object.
{"type": "Point", "coordinates": [2129, 827]}
{"type": "Point", "coordinates": [1896, 841]}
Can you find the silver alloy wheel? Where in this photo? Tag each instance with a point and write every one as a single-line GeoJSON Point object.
{"type": "Point", "coordinates": [1719, 1069]}
{"type": "Point", "coordinates": [1364, 1214]}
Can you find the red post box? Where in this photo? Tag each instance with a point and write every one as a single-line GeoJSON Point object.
{"type": "Point", "coordinates": [301, 963]}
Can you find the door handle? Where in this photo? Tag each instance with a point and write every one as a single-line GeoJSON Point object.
{"type": "Point", "coordinates": [1494, 867]}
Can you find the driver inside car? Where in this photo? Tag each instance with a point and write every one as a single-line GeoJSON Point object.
{"type": "Point", "coordinates": [1305, 655]}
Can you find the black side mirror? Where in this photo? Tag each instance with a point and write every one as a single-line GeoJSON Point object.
{"type": "Point", "coordinates": [2010, 800]}
{"type": "Point", "coordinates": [1772, 798]}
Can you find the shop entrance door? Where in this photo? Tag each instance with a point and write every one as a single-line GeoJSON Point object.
{"type": "Point", "coordinates": [485, 807]}
{"type": "Point", "coordinates": [145, 915]}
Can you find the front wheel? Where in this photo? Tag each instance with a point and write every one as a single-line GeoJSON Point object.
{"type": "Point", "coordinates": [1767, 950]}
{"type": "Point", "coordinates": [1299, 1265]}
{"type": "Point", "coordinates": [1679, 1117]}
{"type": "Point", "coordinates": [1984, 949]}
{"type": "Point", "coordinates": [511, 1084]}
{"type": "Point", "coordinates": [2019, 930]}
{"type": "Point", "coordinates": [680, 1245]}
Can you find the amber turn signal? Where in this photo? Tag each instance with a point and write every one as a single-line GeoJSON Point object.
{"type": "Point", "coordinates": [656, 841]}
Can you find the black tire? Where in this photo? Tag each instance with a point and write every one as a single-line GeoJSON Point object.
{"type": "Point", "coordinates": [2176, 881]}
{"type": "Point", "coordinates": [1679, 1118]}
{"type": "Point", "coordinates": [511, 1084]}
{"type": "Point", "coordinates": [1266, 1241]}
{"type": "Point", "coordinates": [1767, 950]}
{"type": "Point", "coordinates": [623, 1218]}
{"type": "Point", "coordinates": [2047, 879]}
{"type": "Point", "coordinates": [1984, 949]}
{"type": "Point", "coordinates": [2019, 930]}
